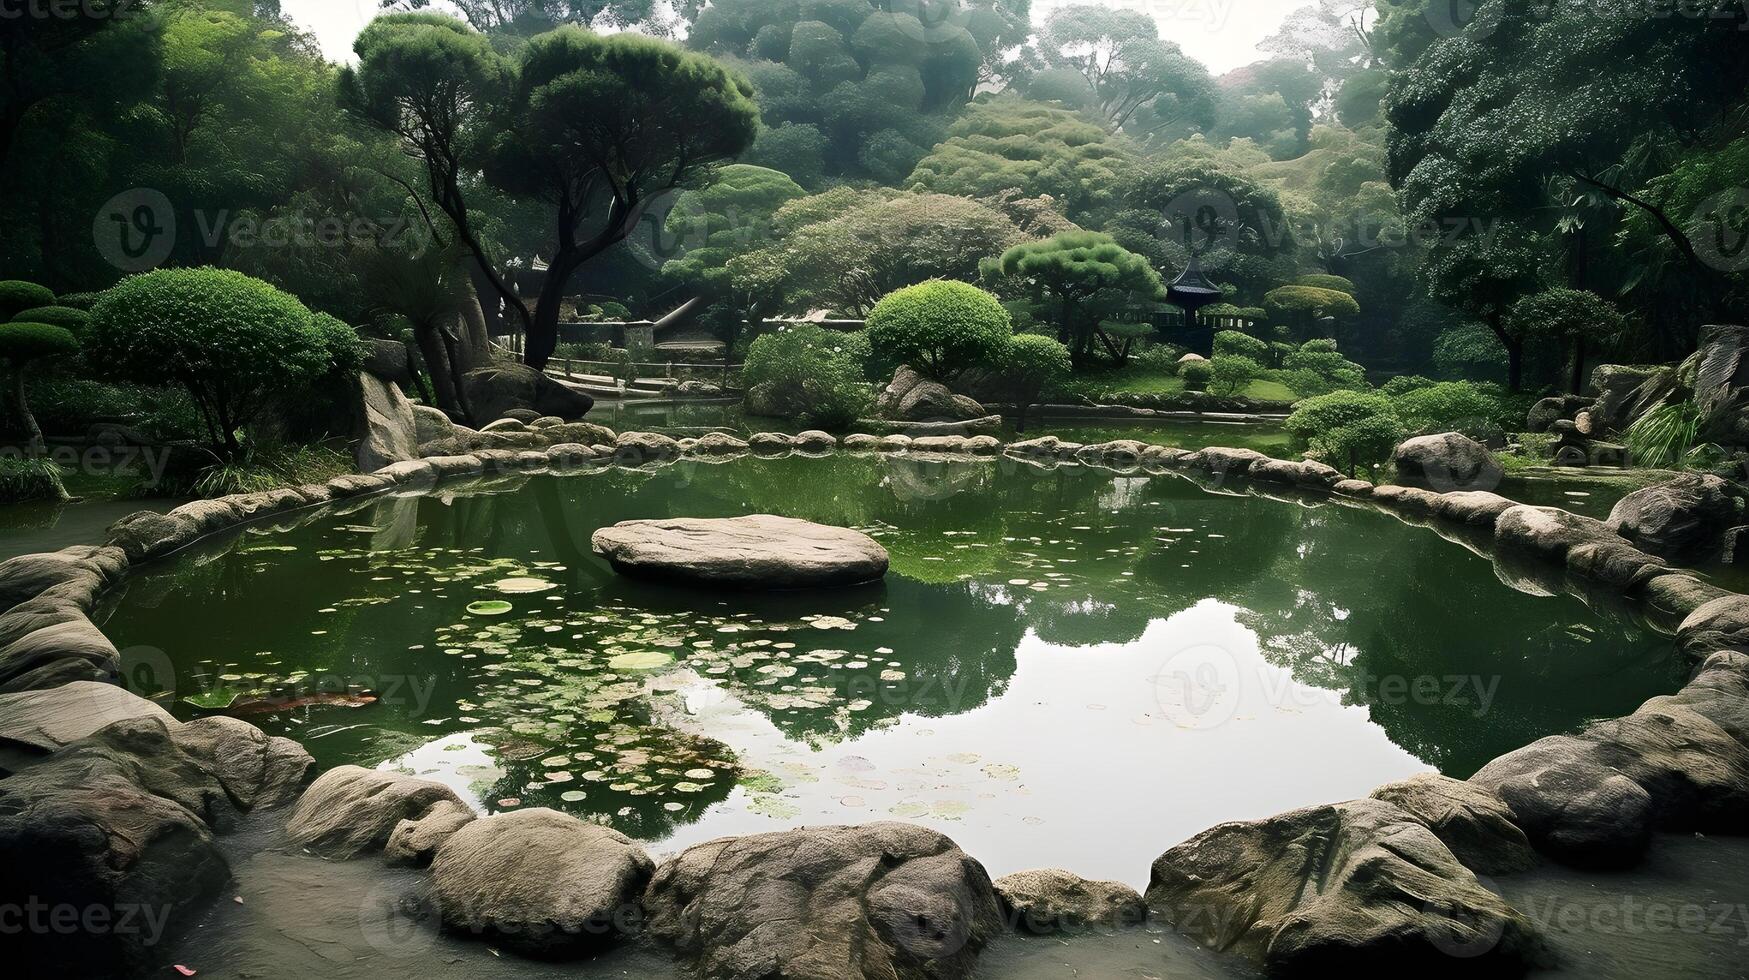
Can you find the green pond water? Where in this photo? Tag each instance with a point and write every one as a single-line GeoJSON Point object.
{"type": "Point", "coordinates": [1063, 668]}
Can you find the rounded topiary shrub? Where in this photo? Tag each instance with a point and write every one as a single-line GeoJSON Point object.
{"type": "Point", "coordinates": [60, 316]}
{"type": "Point", "coordinates": [809, 373]}
{"type": "Point", "coordinates": [1239, 344]}
{"type": "Point", "coordinates": [17, 296]}
{"type": "Point", "coordinates": [233, 341]}
{"type": "Point", "coordinates": [940, 327]}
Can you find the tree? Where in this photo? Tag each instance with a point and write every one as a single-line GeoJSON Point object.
{"type": "Point", "coordinates": [1304, 306]}
{"type": "Point", "coordinates": [1082, 273]}
{"type": "Point", "coordinates": [1189, 199]}
{"type": "Point", "coordinates": [1571, 316]}
{"type": "Point", "coordinates": [426, 291]}
{"type": "Point", "coordinates": [600, 128]}
{"type": "Point", "coordinates": [714, 224]}
{"type": "Point", "coordinates": [1230, 373]}
{"type": "Point", "coordinates": [1126, 66]}
{"type": "Point", "coordinates": [845, 249]}
{"type": "Point", "coordinates": [1347, 428]}
{"type": "Point", "coordinates": [1010, 145]}
{"type": "Point", "coordinates": [21, 345]}
{"type": "Point", "coordinates": [940, 328]}
{"type": "Point", "coordinates": [530, 17]}
{"type": "Point", "coordinates": [1482, 276]}
{"type": "Point", "coordinates": [232, 341]}
{"type": "Point", "coordinates": [1029, 365]}
{"type": "Point", "coordinates": [810, 373]}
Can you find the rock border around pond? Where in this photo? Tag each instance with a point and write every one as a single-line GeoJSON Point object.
{"type": "Point", "coordinates": [1590, 798]}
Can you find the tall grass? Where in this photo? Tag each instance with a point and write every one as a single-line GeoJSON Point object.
{"type": "Point", "coordinates": [1665, 437]}
{"type": "Point", "coordinates": [24, 479]}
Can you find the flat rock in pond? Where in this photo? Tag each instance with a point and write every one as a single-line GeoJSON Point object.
{"type": "Point", "coordinates": [759, 551]}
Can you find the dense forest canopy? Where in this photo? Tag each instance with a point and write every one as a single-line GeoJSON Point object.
{"type": "Point", "coordinates": [1446, 170]}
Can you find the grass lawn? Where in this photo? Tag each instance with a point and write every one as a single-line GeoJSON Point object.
{"type": "Point", "coordinates": [1138, 380]}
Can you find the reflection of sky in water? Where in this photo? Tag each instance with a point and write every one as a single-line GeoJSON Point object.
{"type": "Point", "coordinates": [1093, 759]}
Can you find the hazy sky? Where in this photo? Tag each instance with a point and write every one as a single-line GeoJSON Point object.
{"type": "Point", "coordinates": [1223, 34]}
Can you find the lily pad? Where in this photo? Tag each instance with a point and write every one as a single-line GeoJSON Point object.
{"type": "Point", "coordinates": [641, 660]}
{"type": "Point", "coordinates": [489, 607]}
{"type": "Point", "coordinates": [523, 584]}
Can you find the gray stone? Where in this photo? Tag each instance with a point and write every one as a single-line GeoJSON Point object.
{"type": "Point", "coordinates": [983, 445]}
{"type": "Point", "coordinates": [1118, 453]}
{"type": "Point", "coordinates": [410, 471]}
{"type": "Point", "coordinates": [886, 900]}
{"type": "Point", "coordinates": [463, 465]}
{"type": "Point", "coordinates": [350, 811]}
{"type": "Point", "coordinates": [1476, 824]}
{"type": "Point", "coordinates": [893, 444]}
{"type": "Point", "coordinates": [210, 515]}
{"type": "Point", "coordinates": [1547, 533]}
{"type": "Point", "coordinates": [587, 433]}
{"type": "Point", "coordinates": [1547, 411]}
{"type": "Point", "coordinates": [491, 392]}
{"type": "Point", "coordinates": [540, 882]}
{"type": "Point", "coordinates": [67, 574]}
{"type": "Point", "coordinates": [910, 397]}
{"type": "Point", "coordinates": [759, 551]}
{"type": "Point", "coordinates": [861, 442]}
{"type": "Point", "coordinates": [1721, 624]}
{"type": "Point", "coordinates": [1447, 461]}
{"type": "Point", "coordinates": [771, 443]}
{"type": "Point", "coordinates": [1409, 501]}
{"type": "Point", "coordinates": [67, 650]}
{"type": "Point", "coordinates": [1613, 563]}
{"type": "Point", "coordinates": [147, 535]}
{"type": "Point", "coordinates": [1671, 597]}
{"type": "Point", "coordinates": [815, 441]}
{"type": "Point", "coordinates": [570, 454]}
{"type": "Point", "coordinates": [1626, 392]}
{"type": "Point", "coordinates": [415, 841]}
{"type": "Point", "coordinates": [1570, 804]}
{"type": "Point", "coordinates": [1358, 887]}
{"type": "Point", "coordinates": [716, 444]}
{"type": "Point", "coordinates": [357, 485]}
{"type": "Point", "coordinates": [1477, 508]}
{"type": "Point", "coordinates": [1683, 519]}
{"type": "Point", "coordinates": [431, 425]}
{"type": "Point", "coordinates": [640, 448]}
{"type": "Point", "coordinates": [387, 430]}
{"type": "Point", "coordinates": [1353, 488]}
{"type": "Point", "coordinates": [36, 723]}
{"type": "Point", "coordinates": [1220, 461]}
{"type": "Point", "coordinates": [952, 445]}
{"type": "Point", "coordinates": [504, 425]}
{"type": "Point", "coordinates": [1053, 900]}
{"type": "Point", "coordinates": [1044, 449]}
{"type": "Point", "coordinates": [388, 360]}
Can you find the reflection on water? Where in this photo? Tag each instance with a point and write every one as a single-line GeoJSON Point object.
{"type": "Point", "coordinates": [1065, 667]}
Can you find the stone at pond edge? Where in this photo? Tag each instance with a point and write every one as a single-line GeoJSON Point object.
{"type": "Point", "coordinates": [1683, 519]}
{"type": "Point", "coordinates": [759, 551]}
{"type": "Point", "coordinates": [124, 819]}
{"type": "Point", "coordinates": [1473, 822]}
{"type": "Point", "coordinates": [36, 723]}
{"type": "Point", "coordinates": [882, 900]}
{"type": "Point", "coordinates": [350, 811]}
{"type": "Point", "coordinates": [146, 535]}
{"type": "Point", "coordinates": [1051, 900]}
{"type": "Point", "coordinates": [1358, 887]}
{"type": "Point", "coordinates": [387, 431]}
{"type": "Point", "coordinates": [1447, 461]}
{"type": "Point", "coordinates": [540, 882]}
{"type": "Point", "coordinates": [415, 841]}
{"type": "Point", "coordinates": [493, 391]}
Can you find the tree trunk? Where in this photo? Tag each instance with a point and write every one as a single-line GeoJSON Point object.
{"type": "Point", "coordinates": [33, 435]}
{"type": "Point", "coordinates": [438, 369]}
{"type": "Point", "coordinates": [1020, 412]}
{"type": "Point", "coordinates": [474, 349]}
{"type": "Point", "coordinates": [1578, 364]}
{"type": "Point", "coordinates": [543, 333]}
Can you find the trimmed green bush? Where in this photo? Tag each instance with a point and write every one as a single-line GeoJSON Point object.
{"type": "Point", "coordinates": [809, 373]}
{"type": "Point", "coordinates": [1347, 429]}
{"type": "Point", "coordinates": [1230, 373]}
{"type": "Point", "coordinates": [1241, 344]}
{"type": "Point", "coordinates": [1317, 368]}
{"type": "Point", "coordinates": [940, 328]}
{"type": "Point", "coordinates": [1029, 365]}
{"type": "Point", "coordinates": [79, 301]}
{"type": "Point", "coordinates": [17, 296]}
{"type": "Point", "coordinates": [22, 344]}
{"type": "Point", "coordinates": [59, 316]}
{"type": "Point", "coordinates": [1321, 280]}
{"type": "Point", "coordinates": [233, 341]}
{"type": "Point", "coordinates": [1196, 374]}
{"type": "Point", "coordinates": [1453, 406]}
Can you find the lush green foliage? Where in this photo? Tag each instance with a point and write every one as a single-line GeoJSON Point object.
{"type": "Point", "coordinates": [1196, 374]}
{"type": "Point", "coordinates": [17, 296]}
{"type": "Point", "coordinates": [1029, 365]}
{"type": "Point", "coordinates": [1291, 304]}
{"type": "Point", "coordinates": [60, 316]}
{"type": "Point", "coordinates": [940, 328]}
{"type": "Point", "coordinates": [1242, 345]}
{"type": "Point", "coordinates": [726, 218]}
{"type": "Point", "coordinates": [1230, 373]}
{"type": "Point", "coordinates": [1326, 281]}
{"type": "Point", "coordinates": [231, 340]}
{"type": "Point", "coordinates": [1452, 406]}
{"type": "Point", "coordinates": [1084, 274]}
{"type": "Point", "coordinates": [22, 342]}
{"type": "Point", "coordinates": [1347, 429]}
{"type": "Point", "coordinates": [810, 373]}
{"type": "Point", "coordinates": [1664, 437]}
{"type": "Point", "coordinates": [1317, 367]}
{"type": "Point", "coordinates": [23, 479]}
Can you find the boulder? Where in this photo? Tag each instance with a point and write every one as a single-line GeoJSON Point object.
{"type": "Point", "coordinates": [350, 811]}
{"type": "Point", "coordinates": [639, 448]}
{"type": "Point", "coordinates": [1044, 449]}
{"type": "Point", "coordinates": [1477, 508]}
{"type": "Point", "coordinates": [1671, 597]}
{"type": "Point", "coordinates": [1353, 488]}
{"type": "Point", "coordinates": [587, 433]}
{"type": "Point", "coordinates": [861, 442]}
{"type": "Point", "coordinates": [1683, 519]}
{"type": "Point", "coordinates": [410, 471]}
{"type": "Point", "coordinates": [1407, 501]}
{"type": "Point", "coordinates": [146, 535]}
{"type": "Point", "coordinates": [759, 551]}
{"type": "Point", "coordinates": [506, 424]}
{"type": "Point", "coordinates": [1052, 900]}
{"type": "Point", "coordinates": [387, 431]}
{"type": "Point", "coordinates": [983, 445]}
{"type": "Point", "coordinates": [1570, 804]}
{"type": "Point", "coordinates": [893, 444]}
{"type": "Point", "coordinates": [1547, 533]}
{"type": "Point", "coordinates": [1117, 454]}
{"type": "Point", "coordinates": [540, 882]}
{"type": "Point", "coordinates": [716, 444]}
{"type": "Point", "coordinates": [1473, 822]}
{"type": "Point", "coordinates": [120, 824]}
{"type": "Point", "coordinates": [76, 574]}
{"type": "Point", "coordinates": [490, 392]}
{"type": "Point", "coordinates": [771, 443]}
{"type": "Point", "coordinates": [1163, 457]}
{"type": "Point", "coordinates": [415, 841]}
{"type": "Point", "coordinates": [431, 426]}
{"type": "Point", "coordinates": [1220, 461]}
{"type": "Point", "coordinates": [1547, 411]}
{"type": "Point", "coordinates": [69, 648]}
{"type": "Point", "coordinates": [887, 900]}
{"type": "Point", "coordinates": [910, 397]}
{"type": "Point", "coordinates": [1447, 461]}
{"type": "Point", "coordinates": [1626, 392]}
{"type": "Point", "coordinates": [527, 416]}
{"type": "Point", "coordinates": [388, 360]}
{"type": "Point", "coordinates": [1191, 358]}
{"type": "Point", "coordinates": [816, 441]}
{"type": "Point", "coordinates": [951, 445]}
{"type": "Point", "coordinates": [1718, 624]}
{"type": "Point", "coordinates": [34, 724]}
{"type": "Point", "coordinates": [1360, 887]}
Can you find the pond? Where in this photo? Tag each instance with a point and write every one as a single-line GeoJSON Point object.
{"type": "Point", "coordinates": [1068, 668]}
